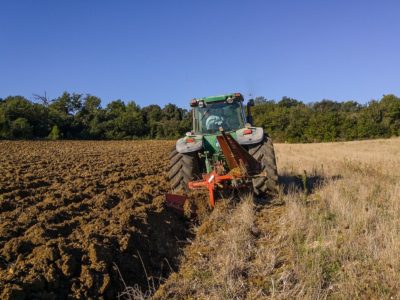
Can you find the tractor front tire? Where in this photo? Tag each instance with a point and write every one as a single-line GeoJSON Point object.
{"type": "Point", "coordinates": [264, 153]}
{"type": "Point", "coordinates": [183, 167]}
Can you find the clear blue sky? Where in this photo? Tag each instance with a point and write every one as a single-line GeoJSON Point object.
{"type": "Point", "coordinates": [171, 51]}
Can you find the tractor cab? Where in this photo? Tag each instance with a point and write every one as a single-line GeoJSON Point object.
{"type": "Point", "coordinates": [212, 113]}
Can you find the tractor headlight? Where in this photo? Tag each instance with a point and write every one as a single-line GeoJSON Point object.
{"type": "Point", "coordinates": [229, 100]}
{"type": "Point", "coordinates": [202, 104]}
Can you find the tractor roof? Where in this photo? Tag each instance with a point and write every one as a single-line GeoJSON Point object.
{"type": "Point", "coordinates": [211, 99]}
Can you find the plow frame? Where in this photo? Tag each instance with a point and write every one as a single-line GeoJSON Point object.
{"type": "Point", "coordinates": [241, 167]}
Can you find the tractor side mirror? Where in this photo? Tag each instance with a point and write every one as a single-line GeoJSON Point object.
{"type": "Point", "coordinates": [249, 115]}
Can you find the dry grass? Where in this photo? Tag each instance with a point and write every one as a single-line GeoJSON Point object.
{"type": "Point", "coordinates": [343, 235]}
{"type": "Point", "coordinates": [216, 264]}
{"type": "Point", "coordinates": [332, 233]}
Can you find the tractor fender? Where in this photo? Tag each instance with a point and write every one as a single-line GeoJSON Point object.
{"type": "Point", "coordinates": [182, 146]}
{"type": "Point", "coordinates": [256, 136]}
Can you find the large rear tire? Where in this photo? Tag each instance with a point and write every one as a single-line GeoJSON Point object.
{"type": "Point", "coordinates": [264, 153]}
{"type": "Point", "coordinates": [182, 169]}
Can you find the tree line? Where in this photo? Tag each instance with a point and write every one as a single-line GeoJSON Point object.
{"type": "Point", "coordinates": [78, 116]}
{"type": "Point", "coordinates": [290, 120]}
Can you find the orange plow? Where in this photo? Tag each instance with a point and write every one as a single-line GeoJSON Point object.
{"type": "Point", "coordinates": [236, 174]}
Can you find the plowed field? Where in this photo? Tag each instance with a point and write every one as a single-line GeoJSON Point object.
{"type": "Point", "coordinates": [75, 214]}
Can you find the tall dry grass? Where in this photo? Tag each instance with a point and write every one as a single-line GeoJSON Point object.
{"type": "Point", "coordinates": [343, 235]}
{"type": "Point", "coordinates": [216, 264]}
{"type": "Point", "coordinates": [333, 232]}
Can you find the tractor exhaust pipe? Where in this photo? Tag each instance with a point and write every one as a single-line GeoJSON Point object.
{"type": "Point", "coordinates": [249, 117]}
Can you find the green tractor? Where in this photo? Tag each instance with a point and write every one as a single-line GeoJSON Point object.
{"type": "Point", "coordinates": [224, 150]}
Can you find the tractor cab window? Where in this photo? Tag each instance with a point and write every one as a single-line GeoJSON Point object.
{"type": "Point", "coordinates": [215, 115]}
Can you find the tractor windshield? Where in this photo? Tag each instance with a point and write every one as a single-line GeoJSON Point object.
{"type": "Point", "coordinates": [210, 118]}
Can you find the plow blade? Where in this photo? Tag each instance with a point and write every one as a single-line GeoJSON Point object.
{"type": "Point", "coordinates": [176, 202]}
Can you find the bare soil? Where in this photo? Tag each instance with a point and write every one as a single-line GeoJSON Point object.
{"type": "Point", "coordinates": [74, 214]}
